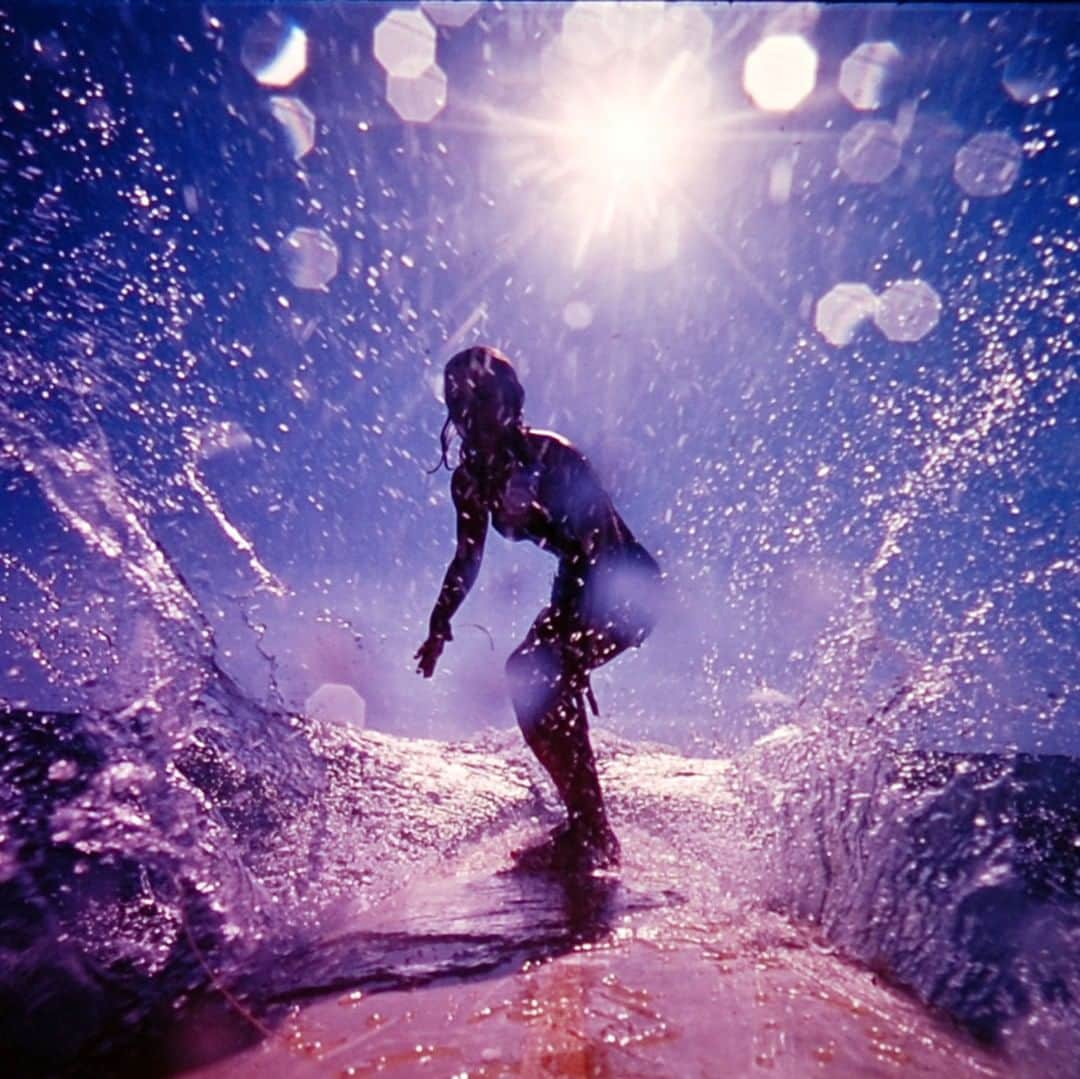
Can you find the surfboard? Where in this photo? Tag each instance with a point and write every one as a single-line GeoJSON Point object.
{"type": "Point", "coordinates": [481, 970]}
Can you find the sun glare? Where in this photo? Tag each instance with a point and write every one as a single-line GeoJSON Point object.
{"type": "Point", "coordinates": [611, 152]}
{"type": "Point", "coordinates": [623, 156]}
{"type": "Point", "coordinates": [614, 146]}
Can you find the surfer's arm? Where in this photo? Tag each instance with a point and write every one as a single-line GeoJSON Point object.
{"type": "Point", "coordinates": [461, 574]}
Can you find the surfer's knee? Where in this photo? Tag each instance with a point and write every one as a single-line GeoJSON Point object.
{"type": "Point", "coordinates": [533, 675]}
{"type": "Point", "coordinates": [518, 670]}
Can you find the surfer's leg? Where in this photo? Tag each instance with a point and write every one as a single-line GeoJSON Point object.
{"type": "Point", "coordinates": [549, 680]}
{"type": "Point", "coordinates": [551, 714]}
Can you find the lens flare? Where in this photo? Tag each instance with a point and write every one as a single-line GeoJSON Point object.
{"type": "Point", "coordinates": [780, 72]}
{"type": "Point", "coordinates": [275, 52]}
{"type": "Point", "coordinates": [627, 153]}
{"type": "Point", "coordinates": [615, 144]}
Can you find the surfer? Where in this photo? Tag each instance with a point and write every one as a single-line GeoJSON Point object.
{"type": "Point", "coordinates": [534, 485]}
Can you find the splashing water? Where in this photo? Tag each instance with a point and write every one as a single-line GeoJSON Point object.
{"type": "Point", "coordinates": [217, 350]}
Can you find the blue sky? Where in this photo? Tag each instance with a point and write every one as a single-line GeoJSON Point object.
{"type": "Point", "coordinates": [911, 495]}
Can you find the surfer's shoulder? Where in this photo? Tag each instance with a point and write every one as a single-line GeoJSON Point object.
{"type": "Point", "coordinates": [551, 446]}
{"type": "Point", "coordinates": [561, 455]}
{"type": "Point", "coordinates": [548, 436]}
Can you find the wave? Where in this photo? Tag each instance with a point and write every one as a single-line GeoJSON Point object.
{"type": "Point", "coordinates": [133, 877]}
{"type": "Point", "coordinates": [182, 837]}
{"type": "Point", "coordinates": [954, 874]}
{"type": "Point", "coordinates": [134, 880]}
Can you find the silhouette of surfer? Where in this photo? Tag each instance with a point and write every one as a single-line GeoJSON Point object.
{"type": "Point", "coordinates": [534, 485]}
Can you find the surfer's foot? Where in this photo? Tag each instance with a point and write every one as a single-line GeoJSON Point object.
{"type": "Point", "coordinates": [603, 849]}
{"type": "Point", "coordinates": [549, 853]}
{"type": "Point", "coordinates": [570, 848]}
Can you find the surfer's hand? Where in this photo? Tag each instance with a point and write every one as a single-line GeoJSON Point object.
{"type": "Point", "coordinates": [428, 654]}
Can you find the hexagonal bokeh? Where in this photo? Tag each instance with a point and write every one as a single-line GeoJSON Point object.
{"type": "Point", "coordinates": [450, 13]}
{"type": "Point", "coordinates": [298, 122]}
{"type": "Point", "coordinates": [1031, 73]}
{"type": "Point", "coordinates": [594, 32]}
{"type": "Point", "coordinates": [869, 152]}
{"type": "Point", "coordinates": [334, 702]}
{"type": "Point", "coordinates": [418, 99]}
{"type": "Point", "coordinates": [865, 73]}
{"type": "Point", "coordinates": [907, 310]}
{"type": "Point", "coordinates": [780, 72]}
{"type": "Point", "coordinates": [577, 315]}
{"type": "Point", "coordinates": [988, 164]}
{"type": "Point", "coordinates": [589, 31]}
{"type": "Point", "coordinates": [274, 51]}
{"type": "Point", "coordinates": [405, 43]}
{"type": "Point", "coordinates": [841, 311]}
{"type": "Point", "coordinates": [692, 25]}
{"type": "Point", "coordinates": [311, 258]}
{"type": "Point", "coordinates": [660, 29]}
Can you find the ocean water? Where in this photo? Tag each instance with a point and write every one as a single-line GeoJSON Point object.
{"type": "Point", "coordinates": [136, 882]}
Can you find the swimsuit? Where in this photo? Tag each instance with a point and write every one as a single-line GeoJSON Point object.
{"type": "Point", "coordinates": [605, 594]}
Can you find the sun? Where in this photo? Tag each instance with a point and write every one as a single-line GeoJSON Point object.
{"type": "Point", "coordinates": [618, 155]}
{"type": "Point", "coordinates": [624, 154]}
{"type": "Point", "coordinates": [618, 130]}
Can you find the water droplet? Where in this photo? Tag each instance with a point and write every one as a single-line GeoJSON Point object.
{"type": "Point", "coordinates": [577, 315]}
{"type": "Point", "coordinates": [404, 43]}
{"type": "Point", "coordinates": [781, 176]}
{"type": "Point", "coordinates": [907, 310]}
{"type": "Point", "coordinates": [297, 120]}
{"type": "Point", "coordinates": [841, 311]}
{"type": "Point", "coordinates": [988, 164]}
{"type": "Point", "coordinates": [311, 258]}
{"type": "Point", "coordinates": [417, 99]}
{"type": "Point", "coordinates": [274, 51]}
{"type": "Point", "coordinates": [865, 73]}
{"type": "Point", "coordinates": [780, 72]}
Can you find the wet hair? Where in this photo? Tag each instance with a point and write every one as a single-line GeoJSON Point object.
{"type": "Point", "coordinates": [479, 373]}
